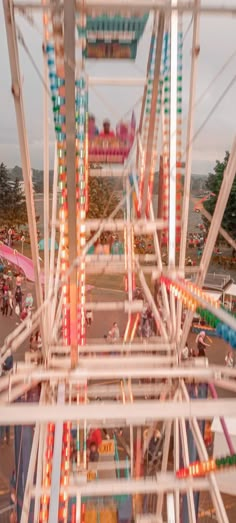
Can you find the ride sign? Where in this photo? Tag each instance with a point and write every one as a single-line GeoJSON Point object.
{"type": "Point", "coordinates": [107, 448]}
{"type": "Point", "coordinates": [91, 475]}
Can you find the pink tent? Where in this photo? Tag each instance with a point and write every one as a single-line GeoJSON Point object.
{"type": "Point", "coordinates": [21, 261]}
{"type": "Point", "coordinates": [24, 263]}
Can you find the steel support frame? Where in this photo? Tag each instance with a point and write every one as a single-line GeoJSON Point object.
{"type": "Point", "coordinates": [29, 373]}
{"type": "Point", "coordinates": [17, 93]}
{"type": "Point", "coordinates": [56, 461]}
{"type": "Point", "coordinates": [52, 276]}
{"type": "Point", "coordinates": [33, 465]}
{"type": "Point", "coordinates": [189, 148]}
{"type": "Point", "coordinates": [203, 455]}
{"type": "Point", "coordinates": [130, 348]}
{"type": "Point", "coordinates": [222, 231]}
{"type": "Point", "coordinates": [161, 483]}
{"type": "Point", "coordinates": [190, 132]}
{"type": "Point", "coordinates": [122, 82]}
{"type": "Point", "coordinates": [151, 302]}
{"type": "Point", "coordinates": [164, 464]}
{"type": "Point", "coordinates": [69, 66]}
{"type": "Point", "coordinates": [140, 226]}
{"type": "Point", "coordinates": [223, 196]}
{"type": "Point", "coordinates": [30, 476]}
{"type": "Point", "coordinates": [140, 413]}
{"type": "Point", "coordinates": [136, 407]}
{"type": "Point", "coordinates": [173, 134]}
{"type": "Point", "coordinates": [46, 177]}
{"type": "Point", "coordinates": [185, 453]}
{"type": "Point", "coordinates": [214, 489]}
{"type": "Point", "coordinates": [176, 461]}
{"type": "Point", "coordinates": [183, 7]}
{"type": "Point", "coordinates": [12, 389]}
{"type": "Point", "coordinates": [39, 471]}
{"type": "Point", "coordinates": [118, 361]}
{"type": "Point", "coordinates": [159, 32]}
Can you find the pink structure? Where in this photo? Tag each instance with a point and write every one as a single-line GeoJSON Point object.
{"type": "Point", "coordinates": [21, 261]}
{"type": "Point", "coordinates": [24, 263]}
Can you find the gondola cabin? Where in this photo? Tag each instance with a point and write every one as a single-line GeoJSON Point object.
{"type": "Point", "coordinates": [112, 37]}
{"type": "Point", "coordinates": [108, 146]}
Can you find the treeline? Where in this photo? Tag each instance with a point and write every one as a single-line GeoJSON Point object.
{"type": "Point", "coordinates": [12, 200]}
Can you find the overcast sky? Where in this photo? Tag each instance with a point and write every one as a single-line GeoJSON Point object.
{"type": "Point", "coordinates": [218, 43]}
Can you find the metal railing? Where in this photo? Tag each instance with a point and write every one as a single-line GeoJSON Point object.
{"type": "Point", "coordinates": [217, 280]}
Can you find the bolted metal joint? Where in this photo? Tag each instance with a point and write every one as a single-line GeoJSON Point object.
{"type": "Point", "coordinates": [15, 89]}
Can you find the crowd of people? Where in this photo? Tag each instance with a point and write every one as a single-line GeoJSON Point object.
{"type": "Point", "coordinates": [12, 297]}
{"type": "Point", "coordinates": [93, 130]}
{"type": "Point", "coordinates": [200, 350]}
{"type": "Point", "coordinates": [124, 131]}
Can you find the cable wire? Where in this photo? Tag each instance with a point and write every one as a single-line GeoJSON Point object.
{"type": "Point", "coordinates": [33, 63]}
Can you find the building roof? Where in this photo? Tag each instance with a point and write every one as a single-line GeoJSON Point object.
{"type": "Point", "coordinates": [214, 294]}
{"type": "Point", "coordinates": [231, 289]}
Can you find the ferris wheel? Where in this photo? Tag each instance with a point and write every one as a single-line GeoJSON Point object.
{"type": "Point", "coordinates": [143, 386]}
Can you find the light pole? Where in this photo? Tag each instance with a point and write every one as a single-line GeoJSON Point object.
{"type": "Point", "coordinates": [22, 243]}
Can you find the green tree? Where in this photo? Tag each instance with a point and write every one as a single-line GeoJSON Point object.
{"type": "Point", "coordinates": [13, 205]}
{"type": "Point", "coordinates": [18, 211]}
{"type": "Point", "coordinates": [103, 198]}
{"type": "Point", "coordinates": [213, 185]}
{"type": "Point", "coordinates": [5, 194]}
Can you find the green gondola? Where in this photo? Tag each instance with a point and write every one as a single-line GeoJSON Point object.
{"type": "Point", "coordinates": [113, 37]}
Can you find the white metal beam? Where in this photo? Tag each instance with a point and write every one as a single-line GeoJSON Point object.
{"type": "Point", "coordinates": [30, 476]}
{"type": "Point", "coordinates": [222, 231]}
{"type": "Point", "coordinates": [159, 32]}
{"type": "Point", "coordinates": [139, 226]}
{"type": "Point", "coordinates": [183, 7]}
{"type": "Point", "coordinates": [157, 346]}
{"type": "Point", "coordinates": [221, 203]}
{"type": "Point", "coordinates": [119, 81]}
{"type": "Point", "coordinates": [33, 374]}
{"type": "Point", "coordinates": [214, 489]}
{"type": "Point", "coordinates": [165, 482]}
{"type": "Point", "coordinates": [138, 413]}
{"type": "Point", "coordinates": [173, 134]}
{"type": "Point", "coordinates": [69, 65]}
{"type": "Point", "coordinates": [46, 179]}
{"type": "Point", "coordinates": [189, 148]}
{"type": "Point", "coordinates": [107, 171]}
{"type": "Point", "coordinates": [190, 130]}
{"type": "Point", "coordinates": [24, 145]}
{"type": "Point", "coordinates": [151, 302]}
{"type": "Point", "coordinates": [118, 361]}
{"type": "Point", "coordinates": [56, 461]}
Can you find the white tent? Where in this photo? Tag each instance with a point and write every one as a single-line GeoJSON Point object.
{"type": "Point", "coordinates": [214, 295]}
{"type": "Point", "coordinates": [231, 292]}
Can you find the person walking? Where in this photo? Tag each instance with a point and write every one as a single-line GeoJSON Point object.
{"type": "Point", "coordinates": [229, 359]}
{"type": "Point", "coordinates": [89, 317]}
{"type": "Point", "coordinates": [5, 303]}
{"type": "Point", "coordinates": [29, 301]}
{"type": "Point", "coordinates": [114, 333]}
{"type": "Point", "coordinates": [18, 298]}
{"type": "Point", "coordinates": [185, 353]}
{"type": "Point", "coordinates": [10, 297]}
{"type": "Point", "coordinates": [201, 344]}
